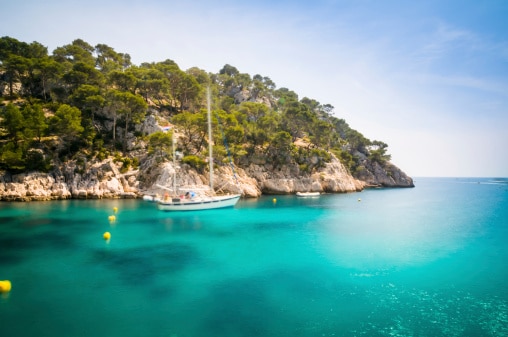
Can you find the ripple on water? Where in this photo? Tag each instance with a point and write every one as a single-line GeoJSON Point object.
{"type": "Point", "coordinates": [401, 312]}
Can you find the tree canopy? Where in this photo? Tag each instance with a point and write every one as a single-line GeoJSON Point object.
{"type": "Point", "coordinates": [84, 99]}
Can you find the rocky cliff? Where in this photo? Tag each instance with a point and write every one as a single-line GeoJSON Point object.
{"type": "Point", "coordinates": [99, 180]}
{"type": "Point", "coordinates": [373, 174]}
{"type": "Point", "coordinates": [104, 180]}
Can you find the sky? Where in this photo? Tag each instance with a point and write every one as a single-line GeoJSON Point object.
{"type": "Point", "coordinates": [429, 78]}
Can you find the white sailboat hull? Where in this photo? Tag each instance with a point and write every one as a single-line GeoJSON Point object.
{"type": "Point", "coordinates": [198, 203]}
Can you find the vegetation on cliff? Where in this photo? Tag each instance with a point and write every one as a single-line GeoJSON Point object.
{"type": "Point", "coordinates": [85, 103]}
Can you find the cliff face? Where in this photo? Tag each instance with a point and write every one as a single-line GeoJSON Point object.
{"type": "Point", "coordinates": [252, 181]}
{"type": "Point", "coordinates": [387, 175]}
{"type": "Point", "coordinates": [104, 180]}
{"type": "Point", "coordinates": [100, 180]}
{"type": "Point", "coordinates": [332, 178]}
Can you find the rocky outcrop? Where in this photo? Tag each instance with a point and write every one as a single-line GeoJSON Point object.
{"type": "Point", "coordinates": [254, 180]}
{"type": "Point", "coordinates": [100, 180]}
{"type": "Point", "coordinates": [32, 186]}
{"type": "Point", "coordinates": [158, 180]}
{"type": "Point", "coordinates": [105, 180]}
{"type": "Point", "coordinates": [333, 178]}
{"type": "Point", "coordinates": [388, 175]}
{"type": "Point", "coordinates": [241, 95]}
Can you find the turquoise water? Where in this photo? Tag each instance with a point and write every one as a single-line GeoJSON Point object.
{"type": "Point", "coordinates": [427, 261]}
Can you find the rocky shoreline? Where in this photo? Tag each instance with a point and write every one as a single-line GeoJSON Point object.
{"type": "Point", "coordinates": [103, 179]}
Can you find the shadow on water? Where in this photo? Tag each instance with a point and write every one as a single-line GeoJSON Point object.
{"type": "Point", "coordinates": [143, 265]}
{"type": "Point", "coordinates": [8, 219]}
{"type": "Point", "coordinates": [16, 247]}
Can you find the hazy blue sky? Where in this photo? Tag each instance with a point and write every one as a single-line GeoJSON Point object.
{"type": "Point", "coordinates": [429, 78]}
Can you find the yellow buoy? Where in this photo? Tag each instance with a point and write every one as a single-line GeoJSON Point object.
{"type": "Point", "coordinates": [274, 200]}
{"type": "Point", "coordinates": [5, 286]}
{"type": "Point", "coordinates": [106, 236]}
{"type": "Point", "coordinates": [115, 209]}
{"type": "Point", "coordinates": [112, 218]}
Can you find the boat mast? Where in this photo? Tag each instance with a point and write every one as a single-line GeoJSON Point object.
{"type": "Point", "coordinates": [210, 156]}
{"type": "Point", "coordinates": [174, 161]}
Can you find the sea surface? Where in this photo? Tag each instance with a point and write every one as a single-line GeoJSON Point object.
{"type": "Point", "coordinates": [425, 261]}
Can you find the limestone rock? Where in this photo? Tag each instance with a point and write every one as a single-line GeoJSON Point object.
{"type": "Point", "coordinates": [103, 179]}
{"type": "Point", "coordinates": [95, 181]}
{"type": "Point", "coordinates": [288, 180]}
{"type": "Point", "coordinates": [374, 175]}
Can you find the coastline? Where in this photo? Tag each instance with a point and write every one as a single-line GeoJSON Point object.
{"type": "Point", "coordinates": [103, 180]}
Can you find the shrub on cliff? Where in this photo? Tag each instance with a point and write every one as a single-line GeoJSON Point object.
{"type": "Point", "coordinates": [194, 162]}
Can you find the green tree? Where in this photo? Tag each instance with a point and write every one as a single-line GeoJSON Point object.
{"type": "Point", "coordinates": [11, 157]}
{"type": "Point", "coordinates": [356, 141]}
{"type": "Point", "coordinates": [113, 105]}
{"type": "Point", "coordinates": [66, 123]}
{"type": "Point", "coordinates": [188, 92]}
{"type": "Point", "coordinates": [160, 144]}
{"type": "Point", "coordinates": [35, 121]}
{"type": "Point", "coordinates": [297, 118]}
{"type": "Point", "coordinates": [14, 61]}
{"type": "Point", "coordinates": [13, 123]}
{"type": "Point", "coordinates": [78, 66]}
{"type": "Point", "coordinates": [321, 134]}
{"type": "Point", "coordinates": [184, 90]}
{"type": "Point", "coordinates": [251, 116]}
{"type": "Point", "coordinates": [48, 71]}
{"type": "Point", "coordinates": [130, 107]}
{"type": "Point", "coordinates": [284, 96]}
{"type": "Point", "coordinates": [88, 98]}
{"type": "Point", "coordinates": [253, 111]}
{"type": "Point", "coordinates": [133, 111]}
{"type": "Point", "coordinates": [31, 81]}
{"type": "Point", "coordinates": [108, 59]}
{"type": "Point", "coordinates": [14, 66]}
{"type": "Point", "coordinates": [280, 149]}
{"type": "Point", "coordinates": [345, 158]}
{"type": "Point", "coordinates": [78, 51]}
{"type": "Point", "coordinates": [229, 77]}
{"type": "Point", "coordinates": [122, 80]}
{"type": "Point", "coordinates": [229, 70]}
{"type": "Point", "coordinates": [151, 84]}
{"type": "Point", "coordinates": [194, 130]}
{"type": "Point", "coordinates": [82, 73]}
{"type": "Point", "coordinates": [200, 75]}
{"type": "Point", "coordinates": [378, 152]}
{"type": "Point", "coordinates": [228, 135]}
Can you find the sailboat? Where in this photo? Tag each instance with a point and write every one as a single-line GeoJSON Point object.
{"type": "Point", "coordinates": [190, 201]}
